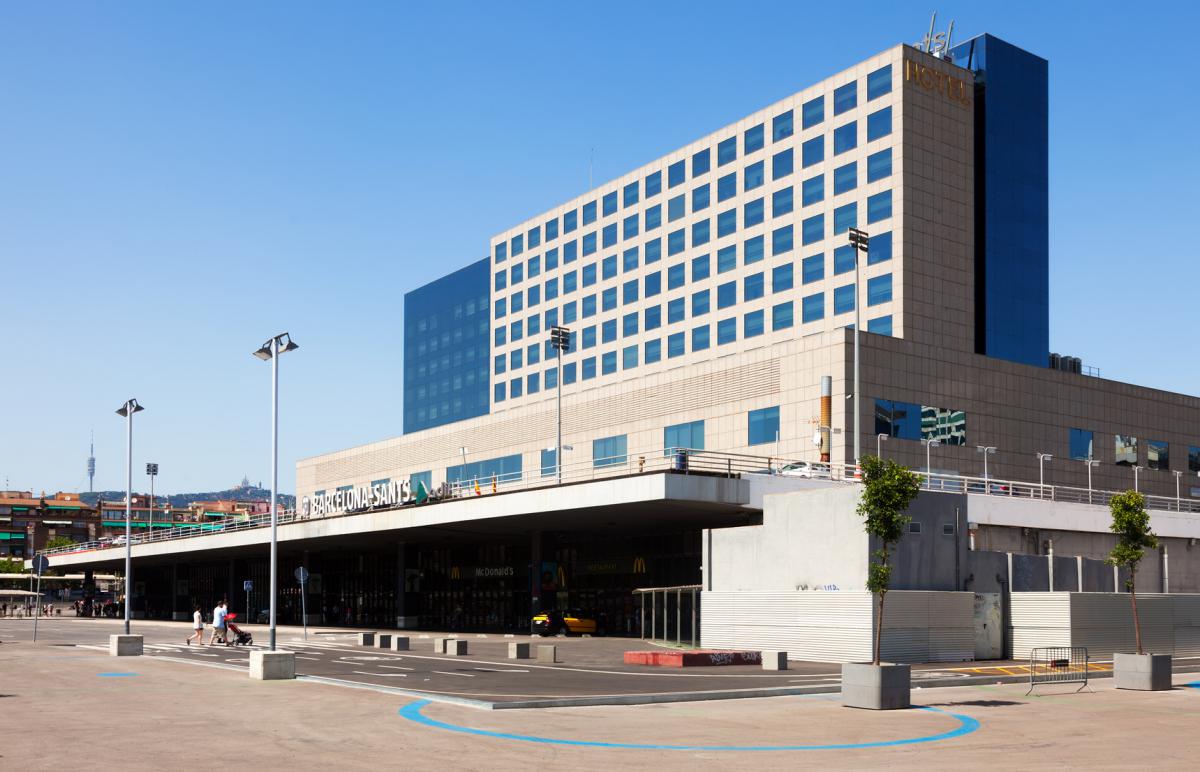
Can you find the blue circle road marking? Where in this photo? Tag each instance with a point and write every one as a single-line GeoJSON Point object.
{"type": "Point", "coordinates": [116, 675]}
{"type": "Point", "coordinates": [413, 712]}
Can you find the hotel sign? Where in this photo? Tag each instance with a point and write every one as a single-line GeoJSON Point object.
{"type": "Point", "coordinates": [953, 88]}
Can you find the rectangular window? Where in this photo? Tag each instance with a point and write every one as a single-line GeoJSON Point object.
{"type": "Point", "coordinates": [589, 306]}
{"type": "Point", "coordinates": [629, 260]}
{"type": "Point", "coordinates": [518, 273]}
{"type": "Point", "coordinates": [814, 308]}
{"type": "Point", "coordinates": [881, 325]}
{"type": "Point", "coordinates": [781, 126]}
{"type": "Point", "coordinates": [653, 249]}
{"type": "Point", "coordinates": [879, 82]}
{"type": "Point", "coordinates": [754, 286]}
{"type": "Point", "coordinates": [589, 213]}
{"type": "Point", "coordinates": [812, 112]}
{"type": "Point", "coordinates": [689, 435]}
{"type": "Point", "coordinates": [534, 236]}
{"type": "Point", "coordinates": [653, 217]}
{"type": "Point", "coordinates": [570, 251]}
{"type": "Point", "coordinates": [516, 331]}
{"type": "Point", "coordinates": [727, 187]}
{"type": "Point", "coordinates": [570, 221]}
{"type": "Point", "coordinates": [813, 190]}
{"type": "Point", "coordinates": [517, 302]}
{"type": "Point", "coordinates": [752, 250]}
{"type": "Point", "coordinates": [1125, 450]}
{"type": "Point", "coordinates": [653, 282]}
{"type": "Point", "coordinates": [501, 334]}
{"type": "Point", "coordinates": [813, 269]}
{"type": "Point", "coordinates": [845, 178]}
{"type": "Point", "coordinates": [653, 318]}
{"type": "Point", "coordinates": [727, 151]}
{"type": "Point", "coordinates": [676, 241]}
{"type": "Point", "coordinates": [945, 424]}
{"type": "Point", "coordinates": [629, 291]}
{"type": "Point", "coordinates": [514, 388]}
{"type": "Point", "coordinates": [534, 295]}
{"type": "Point", "coordinates": [631, 194]}
{"type": "Point", "coordinates": [879, 124]}
{"type": "Point", "coordinates": [501, 308]}
{"type": "Point", "coordinates": [879, 289]}
{"type": "Point", "coordinates": [726, 295]}
{"type": "Point", "coordinates": [753, 176]}
{"type": "Point", "coordinates": [726, 222]}
{"type": "Point", "coordinates": [726, 331]}
{"type": "Point", "coordinates": [781, 278]}
{"type": "Point", "coordinates": [781, 240]}
{"type": "Point", "coordinates": [629, 227]}
{"type": "Point", "coordinates": [700, 303]}
{"type": "Point", "coordinates": [676, 310]}
{"type": "Point", "coordinates": [879, 206]}
{"type": "Point", "coordinates": [781, 202]}
{"type": "Point", "coordinates": [589, 243]}
{"type": "Point", "coordinates": [700, 268]}
{"type": "Point", "coordinates": [610, 235]}
{"type": "Point", "coordinates": [763, 426]}
{"type": "Point", "coordinates": [588, 368]}
{"type": "Point", "coordinates": [676, 345]}
{"type": "Point", "coordinates": [517, 245]}
{"type": "Point", "coordinates": [608, 363]}
{"type": "Point", "coordinates": [845, 98]}
{"type": "Point", "coordinates": [570, 282]}
{"type": "Point", "coordinates": [726, 259]}
{"type": "Point", "coordinates": [676, 208]}
{"type": "Point", "coordinates": [1080, 443]}
{"type": "Point", "coordinates": [500, 365]}
{"type": "Point", "coordinates": [700, 198]}
{"type": "Point", "coordinates": [701, 163]}
{"type": "Point", "coordinates": [570, 313]}
{"type": "Point", "coordinates": [676, 276]}
{"type": "Point", "coordinates": [501, 280]}
{"type": "Point", "coordinates": [753, 213]}
{"type": "Point", "coordinates": [812, 152]}
{"type": "Point", "coordinates": [879, 165]}
{"type": "Point", "coordinates": [781, 164]}
{"type": "Point", "coordinates": [676, 174]}
{"type": "Point", "coordinates": [1193, 460]}
{"type": "Point", "coordinates": [1158, 455]}
{"type": "Point", "coordinates": [532, 383]}
{"type": "Point", "coordinates": [652, 351]}
{"type": "Point", "coordinates": [609, 451]}
{"type": "Point", "coordinates": [589, 275]}
{"type": "Point", "coordinates": [843, 299]}
{"type": "Point", "coordinates": [533, 353]}
{"type": "Point", "coordinates": [549, 464]}
{"type": "Point", "coordinates": [901, 420]}
{"type": "Point", "coordinates": [752, 140]}
{"type": "Point", "coordinates": [845, 138]}
{"type": "Point", "coordinates": [551, 228]}
{"type": "Point", "coordinates": [610, 203]}
{"type": "Point", "coordinates": [781, 316]}
{"type": "Point", "coordinates": [501, 252]}
{"type": "Point", "coordinates": [608, 299]}
{"type": "Point", "coordinates": [700, 340]}
{"type": "Point", "coordinates": [700, 233]}
{"type": "Point", "coordinates": [629, 357]}
{"type": "Point", "coordinates": [498, 392]}
{"type": "Point", "coordinates": [843, 259]}
{"type": "Point", "coordinates": [589, 336]}
{"type": "Point", "coordinates": [845, 217]}
{"type": "Point", "coordinates": [568, 373]}
{"type": "Point", "coordinates": [753, 324]}
{"type": "Point", "coordinates": [551, 259]}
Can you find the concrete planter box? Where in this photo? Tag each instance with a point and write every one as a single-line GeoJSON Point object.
{"type": "Point", "coordinates": [876, 687]}
{"type": "Point", "coordinates": [272, 665]}
{"type": "Point", "coordinates": [1144, 672]}
{"type": "Point", "coordinates": [125, 645]}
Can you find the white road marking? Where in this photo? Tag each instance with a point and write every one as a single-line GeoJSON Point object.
{"type": "Point", "coordinates": [498, 670]}
{"type": "Point", "coordinates": [395, 667]}
{"type": "Point", "coordinates": [382, 675]}
{"type": "Point", "coordinates": [464, 675]}
{"type": "Point", "coordinates": [314, 659]}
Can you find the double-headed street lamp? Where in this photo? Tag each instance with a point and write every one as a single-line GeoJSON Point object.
{"type": "Point", "coordinates": [270, 351]}
{"type": "Point", "coordinates": [861, 243]}
{"type": "Point", "coordinates": [931, 443]}
{"type": "Point", "coordinates": [126, 411]}
{"type": "Point", "coordinates": [560, 339]}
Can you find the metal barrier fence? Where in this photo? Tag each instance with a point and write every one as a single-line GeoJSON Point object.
{"type": "Point", "coordinates": [1058, 665]}
{"type": "Point", "coordinates": [682, 617]}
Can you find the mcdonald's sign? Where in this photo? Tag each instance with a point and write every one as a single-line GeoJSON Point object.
{"type": "Point", "coordinates": [455, 573]}
{"type": "Point", "coordinates": [639, 565]}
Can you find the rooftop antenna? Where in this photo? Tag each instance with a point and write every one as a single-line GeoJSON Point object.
{"type": "Point", "coordinates": [91, 463]}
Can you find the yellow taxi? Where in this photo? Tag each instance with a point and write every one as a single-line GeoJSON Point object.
{"type": "Point", "coordinates": [569, 622]}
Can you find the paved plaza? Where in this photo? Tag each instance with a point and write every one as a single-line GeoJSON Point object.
{"type": "Point", "coordinates": [182, 711]}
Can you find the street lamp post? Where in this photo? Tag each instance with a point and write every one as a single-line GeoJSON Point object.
{"type": "Point", "coordinates": [928, 464]}
{"type": "Point", "coordinates": [560, 339]}
{"type": "Point", "coordinates": [1042, 459]}
{"type": "Point", "coordinates": [879, 438]}
{"type": "Point", "coordinates": [1090, 463]}
{"type": "Point", "coordinates": [126, 411]}
{"type": "Point", "coordinates": [152, 470]}
{"type": "Point", "coordinates": [1178, 503]}
{"type": "Point", "coordinates": [861, 243]}
{"type": "Point", "coordinates": [986, 450]}
{"type": "Point", "coordinates": [270, 351]}
{"type": "Point", "coordinates": [1136, 469]}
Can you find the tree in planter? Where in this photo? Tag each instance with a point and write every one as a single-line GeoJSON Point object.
{"type": "Point", "coordinates": [59, 541]}
{"type": "Point", "coordinates": [1131, 524]}
{"type": "Point", "coordinates": [888, 489]}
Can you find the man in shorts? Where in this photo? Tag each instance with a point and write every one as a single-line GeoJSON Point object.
{"type": "Point", "coordinates": [219, 625]}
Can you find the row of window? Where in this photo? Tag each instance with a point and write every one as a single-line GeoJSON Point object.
{"type": "Point", "coordinates": [782, 202]}
{"type": "Point", "coordinates": [1126, 450]}
{"type": "Point", "coordinates": [844, 138]}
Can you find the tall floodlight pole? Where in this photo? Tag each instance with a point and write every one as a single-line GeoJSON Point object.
{"type": "Point", "coordinates": [861, 243]}
{"type": "Point", "coordinates": [152, 470]}
{"type": "Point", "coordinates": [560, 339]}
{"type": "Point", "coordinates": [126, 411]}
{"type": "Point", "coordinates": [270, 351]}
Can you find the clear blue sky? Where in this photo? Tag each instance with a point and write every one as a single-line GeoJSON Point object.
{"type": "Point", "coordinates": [181, 181]}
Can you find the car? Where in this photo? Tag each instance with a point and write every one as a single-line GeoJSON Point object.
{"type": "Point", "coordinates": [119, 541]}
{"type": "Point", "coordinates": [806, 469]}
{"type": "Point", "coordinates": [569, 622]}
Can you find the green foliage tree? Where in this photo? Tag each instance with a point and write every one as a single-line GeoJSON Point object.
{"type": "Point", "coordinates": [888, 489]}
{"type": "Point", "coordinates": [11, 566]}
{"type": "Point", "coordinates": [1131, 524]}
{"type": "Point", "coordinates": [59, 541]}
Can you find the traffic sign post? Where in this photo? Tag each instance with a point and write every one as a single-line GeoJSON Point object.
{"type": "Point", "coordinates": [40, 564]}
{"type": "Point", "coordinates": [302, 577]}
{"type": "Point", "coordinates": [248, 585]}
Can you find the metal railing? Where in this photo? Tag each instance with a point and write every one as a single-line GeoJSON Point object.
{"type": "Point", "coordinates": [1058, 665]}
{"type": "Point", "coordinates": [685, 614]}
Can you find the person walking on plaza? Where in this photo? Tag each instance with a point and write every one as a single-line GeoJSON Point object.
{"type": "Point", "coordinates": [218, 624]}
{"type": "Point", "coordinates": [197, 627]}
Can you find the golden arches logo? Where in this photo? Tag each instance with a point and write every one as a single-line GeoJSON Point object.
{"type": "Point", "coordinates": [639, 565]}
{"type": "Point", "coordinates": [455, 572]}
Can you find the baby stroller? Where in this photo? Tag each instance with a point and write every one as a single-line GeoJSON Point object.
{"type": "Point", "coordinates": [236, 635]}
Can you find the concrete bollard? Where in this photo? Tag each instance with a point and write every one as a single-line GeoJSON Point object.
{"type": "Point", "coordinates": [518, 651]}
{"type": "Point", "coordinates": [774, 660]}
{"type": "Point", "coordinates": [399, 643]}
{"type": "Point", "coordinates": [547, 654]}
{"type": "Point", "coordinates": [456, 647]}
{"type": "Point", "coordinates": [366, 639]}
{"type": "Point", "coordinates": [125, 645]}
{"type": "Point", "coordinates": [272, 665]}
{"type": "Point", "coordinates": [383, 640]}
{"type": "Point", "coordinates": [439, 645]}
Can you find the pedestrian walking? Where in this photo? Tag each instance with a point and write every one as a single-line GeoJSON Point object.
{"type": "Point", "coordinates": [219, 624]}
{"type": "Point", "coordinates": [197, 627]}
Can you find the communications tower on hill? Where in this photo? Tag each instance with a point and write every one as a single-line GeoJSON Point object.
{"type": "Point", "coordinates": [91, 465]}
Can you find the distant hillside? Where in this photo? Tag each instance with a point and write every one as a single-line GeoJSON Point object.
{"type": "Point", "coordinates": [247, 493]}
